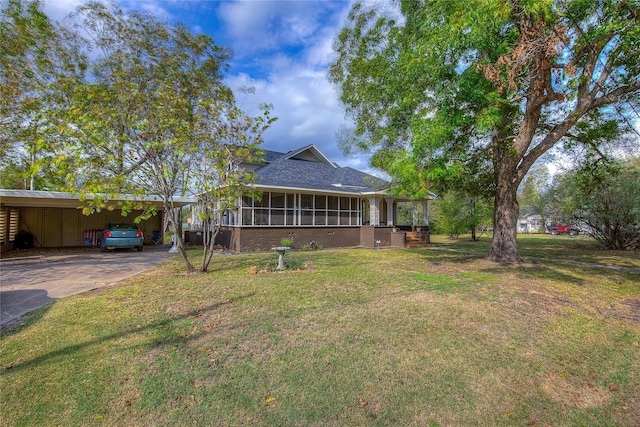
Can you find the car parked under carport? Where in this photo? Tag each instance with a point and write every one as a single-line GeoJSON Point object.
{"type": "Point", "coordinates": [121, 236]}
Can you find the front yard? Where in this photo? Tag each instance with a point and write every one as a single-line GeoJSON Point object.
{"type": "Point", "coordinates": [364, 337]}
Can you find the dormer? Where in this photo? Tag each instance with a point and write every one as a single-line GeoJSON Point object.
{"type": "Point", "coordinates": [310, 153]}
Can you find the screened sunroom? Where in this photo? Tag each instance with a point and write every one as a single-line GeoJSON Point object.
{"type": "Point", "coordinates": [296, 209]}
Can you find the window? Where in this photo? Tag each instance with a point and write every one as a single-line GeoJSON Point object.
{"type": "Point", "coordinates": [247, 214]}
{"type": "Point", "coordinates": [332, 218]}
{"type": "Point", "coordinates": [286, 209]}
{"type": "Point", "coordinates": [277, 200]}
{"type": "Point", "coordinates": [261, 216]}
{"type": "Point", "coordinates": [320, 217]}
{"type": "Point", "coordinates": [277, 217]}
{"type": "Point", "coordinates": [333, 203]}
{"type": "Point", "coordinates": [306, 202]}
{"type": "Point", "coordinates": [345, 218]}
{"type": "Point", "coordinates": [306, 217]}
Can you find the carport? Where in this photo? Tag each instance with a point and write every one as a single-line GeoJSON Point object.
{"type": "Point", "coordinates": [55, 219]}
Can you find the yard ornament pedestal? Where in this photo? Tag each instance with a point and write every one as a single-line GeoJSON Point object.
{"type": "Point", "coordinates": [174, 245]}
{"type": "Point", "coordinates": [281, 250]}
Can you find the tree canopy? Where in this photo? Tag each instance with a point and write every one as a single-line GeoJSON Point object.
{"type": "Point", "coordinates": [444, 82]}
{"type": "Point", "coordinates": [155, 118]}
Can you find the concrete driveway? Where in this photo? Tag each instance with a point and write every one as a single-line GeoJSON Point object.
{"type": "Point", "coordinates": [30, 282]}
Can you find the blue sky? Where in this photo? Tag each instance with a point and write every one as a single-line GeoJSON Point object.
{"type": "Point", "coordinates": [282, 48]}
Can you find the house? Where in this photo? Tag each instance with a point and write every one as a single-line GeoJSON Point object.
{"type": "Point", "coordinates": [308, 198]}
{"type": "Point", "coordinates": [305, 197]}
{"type": "Point", "coordinates": [54, 219]}
{"type": "Point", "coordinates": [531, 224]}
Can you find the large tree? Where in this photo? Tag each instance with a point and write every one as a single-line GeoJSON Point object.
{"type": "Point", "coordinates": [445, 79]}
{"type": "Point", "coordinates": [155, 118]}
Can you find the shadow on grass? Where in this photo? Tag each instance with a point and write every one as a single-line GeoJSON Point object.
{"type": "Point", "coordinates": [26, 320]}
{"type": "Point", "coordinates": [457, 256]}
{"type": "Point", "coordinates": [533, 266]}
{"type": "Point", "coordinates": [551, 269]}
{"type": "Point", "coordinates": [102, 339]}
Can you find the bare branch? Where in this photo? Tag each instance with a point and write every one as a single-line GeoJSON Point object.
{"type": "Point", "coordinates": [614, 96]}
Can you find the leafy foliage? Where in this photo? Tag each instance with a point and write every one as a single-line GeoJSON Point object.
{"type": "Point", "coordinates": [458, 213]}
{"type": "Point", "coordinates": [155, 118]}
{"type": "Point", "coordinates": [534, 195]}
{"type": "Point", "coordinates": [39, 60]}
{"type": "Point", "coordinates": [605, 201]}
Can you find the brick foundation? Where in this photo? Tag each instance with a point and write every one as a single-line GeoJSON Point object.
{"type": "Point", "coordinates": [262, 239]}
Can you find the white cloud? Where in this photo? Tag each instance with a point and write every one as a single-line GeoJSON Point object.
{"type": "Point", "coordinates": [290, 42]}
{"type": "Point", "coordinates": [296, 84]}
{"type": "Point", "coordinates": [256, 26]}
{"type": "Point", "coordinates": [57, 10]}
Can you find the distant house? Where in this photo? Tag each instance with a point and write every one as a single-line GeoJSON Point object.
{"type": "Point", "coordinates": [308, 198]}
{"type": "Point", "coordinates": [531, 224]}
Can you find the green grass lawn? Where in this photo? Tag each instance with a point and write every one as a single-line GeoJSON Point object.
{"type": "Point", "coordinates": [579, 248]}
{"type": "Point", "coordinates": [364, 337]}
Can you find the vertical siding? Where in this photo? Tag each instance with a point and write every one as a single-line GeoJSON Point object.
{"type": "Point", "coordinates": [31, 221]}
{"type": "Point", "coordinates": [69, 223]}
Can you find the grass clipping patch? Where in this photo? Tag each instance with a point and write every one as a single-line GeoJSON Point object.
{"type": "Point", "coordinates": [572, 391]}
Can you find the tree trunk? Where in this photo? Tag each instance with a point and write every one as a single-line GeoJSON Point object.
{"type": "Point", "coordinates": [177, 224]}
{"type": "Point", "coordinates": [210, 232]}
{"type": "Point", "coordinates": [473, 217]}
{"type": "Point", "coordinates": [505, 221]}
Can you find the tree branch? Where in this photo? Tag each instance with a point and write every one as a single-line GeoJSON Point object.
{"type": "Point", "coordinates": [604, 75]}
{"type": "Point", "coordinates": [594, 52]}
{"type": "Point", "coordinates": [613, 96]}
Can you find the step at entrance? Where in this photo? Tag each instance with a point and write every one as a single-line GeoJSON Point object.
{"type": "Point", "coordinates": [416, 239]}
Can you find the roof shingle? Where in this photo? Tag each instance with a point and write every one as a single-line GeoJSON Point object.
{"type": "Point", "coordinates": [282, 171]}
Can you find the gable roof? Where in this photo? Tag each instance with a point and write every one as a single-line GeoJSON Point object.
{"type": "Point", "coordinates": [310, 153]}
{"type": "Point", "coordinates": [308, 168]}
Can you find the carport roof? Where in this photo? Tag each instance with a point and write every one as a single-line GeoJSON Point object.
{"type": "Point", "coordinates": [57, 199]}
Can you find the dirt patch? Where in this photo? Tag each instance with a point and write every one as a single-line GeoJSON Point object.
{"type": "Point", "coordinates": [628, 309]}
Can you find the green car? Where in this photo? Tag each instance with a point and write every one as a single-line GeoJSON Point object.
{"type": "Point", "coordinates": [121, 235]}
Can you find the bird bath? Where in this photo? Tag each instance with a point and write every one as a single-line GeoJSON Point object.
{"type": "Point", "coordinates": [281, 250]}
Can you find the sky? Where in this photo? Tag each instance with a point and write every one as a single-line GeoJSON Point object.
{"type": "Point", "coordinates": [281, 48]}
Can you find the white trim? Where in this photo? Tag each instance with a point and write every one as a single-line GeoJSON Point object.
{"type": "Point", "coordinates": [304, 190]}
{"type": "Point", "coordinates": [36, 198]}
{"type": "Point", "coordinates": [315, 151]}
